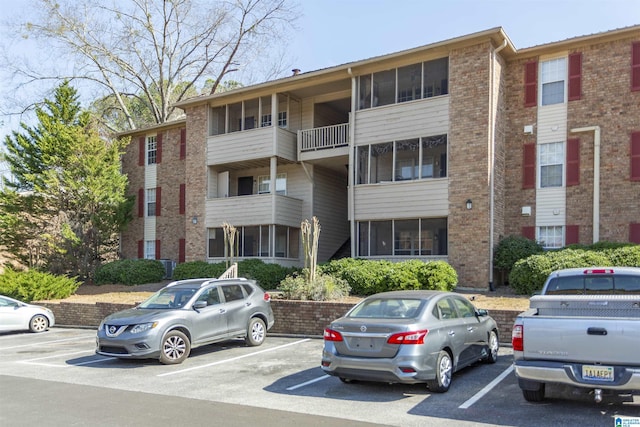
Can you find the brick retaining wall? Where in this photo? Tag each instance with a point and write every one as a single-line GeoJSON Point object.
{"type": "Point", "coordinates": [307, 318]}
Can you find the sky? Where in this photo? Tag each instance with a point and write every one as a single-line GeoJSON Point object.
{"type": "Point", "coordinates": [334, 32]}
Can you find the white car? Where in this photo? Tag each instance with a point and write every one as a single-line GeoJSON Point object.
{"type": "Point", "coordinates": [17, 315]}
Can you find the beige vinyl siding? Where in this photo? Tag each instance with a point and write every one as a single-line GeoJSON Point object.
{"type": "Point", "coordinates": [402, 121]}
{"type": "Point", "coordinates": [552, 123]}
{"type": "Point", "coordinates": [250, 145]}
{"type": "Point", "coordinates": [414, 199]}
{"type": "Point", "coordinates": [253, 210]}
{"type": "Point", "coordinates": [150, 176]}
{"type": "Point", "coordinates": [149, 227]}
{"type": "Point", "coordinates": [330, 207]}
{"type": "Point", "coordinates": [551, 202]}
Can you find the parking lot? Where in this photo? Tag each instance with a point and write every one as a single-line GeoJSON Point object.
{"type": "Point", "coordinates": [284, 375]}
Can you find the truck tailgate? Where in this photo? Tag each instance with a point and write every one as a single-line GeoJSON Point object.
{"type": "Point", "coordinates": [601, 329]}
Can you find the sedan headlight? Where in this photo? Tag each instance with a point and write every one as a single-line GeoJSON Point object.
{"type": "Point", "coordinates": [143, 327]}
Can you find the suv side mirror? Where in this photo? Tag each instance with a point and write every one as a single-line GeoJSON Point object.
{"type": "Point", "coordinates": [199, 305]}
{"type": "Point", "coordinates": [481, 312]}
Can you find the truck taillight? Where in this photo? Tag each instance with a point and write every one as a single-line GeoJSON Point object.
{"type": "Point", "coordinates": [414, 337]}
{"type": "Point", "coordinates": [331, 335]}
{"type": "Point", "coordinates": [517, 338]}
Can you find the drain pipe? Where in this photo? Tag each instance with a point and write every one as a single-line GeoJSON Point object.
{"type": "Point", "coordinates": [492, 145]}
{"type": "Point", "coordinates": [596, 177]}
{"type": "Point", "coordinates": [351, 168]}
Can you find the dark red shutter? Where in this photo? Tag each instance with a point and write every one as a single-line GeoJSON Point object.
{"type": "Point", "coordinates": [159, 148]}
{"type": "Point", "coordinates": [529, 232]}
{"type": "Point", "coordinates": [158, 200]}
{"type": "Point", "coordinates": [158, 255]}
{"type": "Point", "coordinates": [531, 84]}
{"type": "Point", "coordinates": [529, 165]}
{"type": "Point", "coordinates": [635, 156]}
{"type": "Point", "coordinates": [140, 248]}
{"type": "Point", "coordinates": [140, 202]}
{"type": "Point", "coordinates": [183, 143]}
{"type": "Point", "coordinates": [635, 66]}
{"type": "Point", "coordinates": [575, 76]}
{"type": "Point", "coordinates": [573, 161]}
{"type": "Point", "coordinates": [634, 233]}
{"type": "Point", "coordinates": [142, 147]}
{"type": "Point", "coordinates": [572, 235]}
{"type": "Point", "coordinates": [182, 198]}
{"type": "Point", "coordinates": [181, 250]}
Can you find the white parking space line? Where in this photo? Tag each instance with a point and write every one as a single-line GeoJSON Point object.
{"type": "Point", "coordinates": [35, 361]}
{"type": "Point", "coordinates": [295, 387]}
{"type": "Point", "coordinates": [486, 389]}
{"type": "Point", "coordinates": [41, 343]}
{"type": "Point", "coordinates": [234, 358]}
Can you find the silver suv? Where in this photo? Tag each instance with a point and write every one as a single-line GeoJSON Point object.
{"type": "Point", "coordinates": [184, 315]}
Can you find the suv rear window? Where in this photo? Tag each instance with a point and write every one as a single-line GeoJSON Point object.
{"type": "Point", "coordinates": [594, 285]}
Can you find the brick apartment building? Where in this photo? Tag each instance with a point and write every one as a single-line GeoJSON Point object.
{"type": "Point", "coordinates": [435, 152]}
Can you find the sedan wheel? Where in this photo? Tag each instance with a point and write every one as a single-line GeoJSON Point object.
{"type": "Point", "coordinates": [444, 370]}
{"type": "Point", "coordinates": [175, 348]}
{"type": "Point", "coordinates": [492, 357]}
{"type": "Point", "coordinates": [256, 332]}
{"type": "Point", "coordinates": [39, 323]}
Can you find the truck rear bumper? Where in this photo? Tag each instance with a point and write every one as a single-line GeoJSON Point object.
{"type": "Point", "coordinates": [624, 377]}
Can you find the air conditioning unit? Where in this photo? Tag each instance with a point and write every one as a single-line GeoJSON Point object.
{"type": "Point", "coordinates": [169, 266]}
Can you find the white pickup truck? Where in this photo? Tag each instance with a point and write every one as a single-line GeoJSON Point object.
{"type": "Point", "coordinates": [583, 330]}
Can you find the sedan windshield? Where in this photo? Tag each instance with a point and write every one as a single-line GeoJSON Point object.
{"type": "Point", "coordinates": [168, 298]}
{"type": "Point", "coordinates": [385, 308]}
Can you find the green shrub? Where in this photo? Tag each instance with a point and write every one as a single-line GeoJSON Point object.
{"type": "Point", "coordinates": [528, 275]}
{"type": "Point", "coordinates": [130, 272]}
{"type": "Point", "coordinates": [198, 269]}
{"type": "Point", "coordinates": [323, 288]}
{"type": "Point", "coordinates": [34, 285]}
{"type": "Point", "coordinates": [625, 256]}
{"type": "Point", "coordinates": [512, 249]}
{"type": "Point", "coordinates": [267, 275]}
{"type": "Point", "coordinates": [367, 277]}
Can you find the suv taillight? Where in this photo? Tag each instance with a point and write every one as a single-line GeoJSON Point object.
{"type": "Point", "coordinates": [266, 297]}
{"type": "Point", "coordinates": [517, 338]}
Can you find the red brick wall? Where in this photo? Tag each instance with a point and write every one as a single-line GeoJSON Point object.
{"type": "Point", "coordinates": [307, 318]}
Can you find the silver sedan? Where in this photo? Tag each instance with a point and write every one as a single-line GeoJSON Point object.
{"type": "Point", "coordinates": [409, 337]}
{"type": "Point", "coordinates": [17, 315]}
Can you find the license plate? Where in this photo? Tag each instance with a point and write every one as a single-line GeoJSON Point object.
{"type": "Point", "coordinates": [597, 373]}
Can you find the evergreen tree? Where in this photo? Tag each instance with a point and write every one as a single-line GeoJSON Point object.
{"type": "Point", "coordinates": [66, 204]}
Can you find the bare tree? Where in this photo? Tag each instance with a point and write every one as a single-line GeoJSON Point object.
{"type": "Point", "coordinates": [153, 53]}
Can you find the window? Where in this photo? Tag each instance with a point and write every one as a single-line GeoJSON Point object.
{"type": "Point", "coordinates": [436, 77]}
{"type": "Point", "coordinates": [151, 202]}
{"type": "Point", "coordinates": [551, 164]}
{"type": "Point", "coordinates": [552, 81]}
{"type": "Point", "coordinates": [232, 292]}
{"type": "Point", "coordinates": [415, 81]}
{"type": "Point", "coordinates": [409, 82]}
{"type": "Point", "coordinates": [217, 117]}
{"type": "Point", "coordinates": [417, 158]}
{"type": "Point", "coordinates": [282, 119]}
{"type": "Point", "coordinates": [264, 184]}
{"type": "Point", "coordinates": [550, 237]}
{"type": "Point", "coordinates": [254, 241]}
{"type": "Point", "coordinates": [150, 249]}
{"type": "Point", "coordinates": [413, 237]}
{"type": "Point", "coordinates": [152, 150]}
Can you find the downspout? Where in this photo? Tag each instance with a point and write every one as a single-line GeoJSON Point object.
{"type": "Point", "coordinates": [492, 166]}
{"type": "Point", "coordinates": [596, 177]}
{"type": "Point", "coordinates": [351, 168]}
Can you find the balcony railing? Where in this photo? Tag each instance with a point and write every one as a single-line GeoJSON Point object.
{"type": "Point", "coordinates": [324, 137]}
